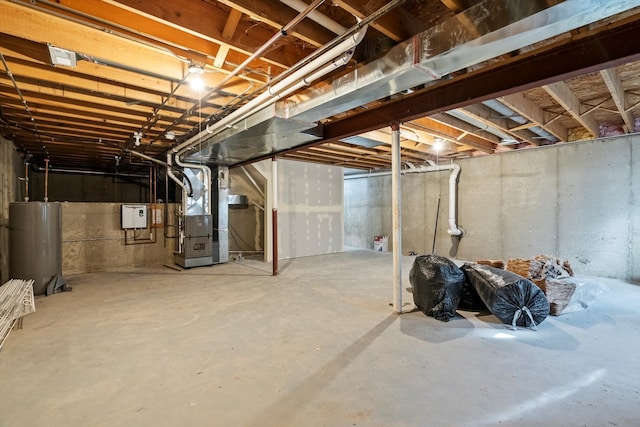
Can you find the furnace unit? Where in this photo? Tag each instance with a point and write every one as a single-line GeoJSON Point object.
{"type": "Point", "coordinates": [204, 219]}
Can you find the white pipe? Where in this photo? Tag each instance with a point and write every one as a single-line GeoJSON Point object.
{"type": "Point", "coordinates": [275, 92]}
{"type": "Point", "coordinates": [453, 230]}
{"type": "Point", "coordinates": [185, 191]}
{"type": "Point", "coordinates": [316, 16]}
{"type": "Point", "coordinates": [396, 197]}
{"type": "Point", "coordinates": [144, 156]}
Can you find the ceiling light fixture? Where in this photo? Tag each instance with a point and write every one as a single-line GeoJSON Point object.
{"type": "Point", "coordinates": [195, 77]}
{"type": "Point", "coordinates": [438, 144]}
{"type": "Point", "coordinates": [61, 56]}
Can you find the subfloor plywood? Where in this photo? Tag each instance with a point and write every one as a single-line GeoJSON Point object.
{"type": "Point", "coordinates": [230, 345]}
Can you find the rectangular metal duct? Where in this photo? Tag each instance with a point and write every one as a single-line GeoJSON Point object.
{"type": "Point", "coordinates": [482, 32]}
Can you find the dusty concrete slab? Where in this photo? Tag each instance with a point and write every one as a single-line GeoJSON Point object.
{"type": "Point", "coordinates": [230, 345]}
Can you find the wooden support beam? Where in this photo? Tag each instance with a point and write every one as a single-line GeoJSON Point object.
{"type": "Point", "coordinates": [391, 24]}
{"type": "Point", "coordinates": [227, 33]}
{"type": "Point", "coordinates": [456, 6]}
{"type": "Point", "coordinates": [614, 84]}
{"type": "Point", "coordinates": [561, 92]}
{"type": "Point", "coordinates": [531, 111]}
{"type": "Point", "coordinates": [278, 16]}
{"type": "Point", "coordinates": [462, 132]}
{"type": "Point", "coordinates": [489, 117]}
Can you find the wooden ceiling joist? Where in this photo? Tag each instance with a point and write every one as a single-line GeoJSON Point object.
{"type": "Point", "coordinates": [525, 107]}
{"type": "Point", "coordinates": [614, 84]}
{"type": "Point", "coordinates": [563, 95]}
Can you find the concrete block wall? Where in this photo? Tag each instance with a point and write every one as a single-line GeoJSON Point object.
{"type": "Point", "coordinates": [579, 201]}
{"type": "Point", "coordinates": [92, 240]}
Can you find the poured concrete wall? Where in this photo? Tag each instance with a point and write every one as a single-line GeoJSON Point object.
{"type": "Point", "coordinates": [10, 191]}
{"type": "Point", "coordinates": [310, 209]}
{"type": "Point", "coordinates": [92, 240]}
{"type": "Point", "coordinates": [577, 201]}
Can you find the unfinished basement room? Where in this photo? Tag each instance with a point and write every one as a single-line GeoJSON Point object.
{"type": "Point", "coordinates": [319, 213]}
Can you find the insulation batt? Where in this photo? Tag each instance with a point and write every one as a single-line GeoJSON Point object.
{"type": "Point", "coordinates": [437, 286]}
{"type": "Point", "coordinates": [514, 300]}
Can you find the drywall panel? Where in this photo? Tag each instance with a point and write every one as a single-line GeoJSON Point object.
{"type": "Point", "coordinates": [529, 200]}
{"type": "Point", "coordinates": [310, 209]}
{"type": "Point", "coordinates": [594, 206]}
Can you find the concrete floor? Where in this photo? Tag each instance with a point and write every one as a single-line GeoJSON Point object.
{"type": "Point", "coordinates": [230, 345]}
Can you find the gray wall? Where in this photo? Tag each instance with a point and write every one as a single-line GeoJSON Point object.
{"type": "Point", "coordinates": [69, 187]}
{"type": "Point", "coordinates": [310, 209]}
{"type": "Point", "coordinates": [578, 201]}
{"type": "Point", "coordinates": [93, 240]}
{"type": "Point", "coordinates": [11, 167]}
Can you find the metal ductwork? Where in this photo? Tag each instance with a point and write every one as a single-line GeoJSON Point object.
{"type": "Point", "coordinates": [500, 108]}
{"type": "Point", "coordinates": [482, 32]}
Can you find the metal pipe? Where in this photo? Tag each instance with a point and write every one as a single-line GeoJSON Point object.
{"type": "Point", "coordinates": [93, 239]}
{"type": "Point", "coordinates": [86, 172]}
{"type": "Point", "coordinates": [22, 99]}
{"type": "Point", "coordinates": [274, 214]}
{"type": "Point", "coordinates": [396, 196]}
{"type": "Point", "coordinates": [46, 180]}
{"type": "Point", "coordinates": [282, 33]}
{"type": "Point", "coordinates": [26, 181]}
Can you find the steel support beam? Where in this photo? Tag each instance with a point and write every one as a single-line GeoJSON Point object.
{"type": "Point", "coordinates": [584, 53]}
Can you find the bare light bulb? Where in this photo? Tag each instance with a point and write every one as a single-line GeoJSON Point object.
{"type": "Point", "coordinates": [195, 77]}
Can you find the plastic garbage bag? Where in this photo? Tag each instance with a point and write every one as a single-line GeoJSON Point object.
{"type": "Point", "coordinates": [514, 300]}
{"type": "Point", "coordinates": [437, 286]}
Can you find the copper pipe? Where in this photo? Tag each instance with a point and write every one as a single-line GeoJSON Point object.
{"type": "Point", "coordinates": [46, 180]}
{"type": "Point", "coordinates": [26, 181]}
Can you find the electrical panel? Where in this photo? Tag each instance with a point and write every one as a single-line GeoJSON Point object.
{"type": "Point", "coordinates": [134, 216]}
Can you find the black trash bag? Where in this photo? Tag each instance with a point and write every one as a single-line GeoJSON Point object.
{"type": "Point", "coordinates": [470, 300]}
{"type": "Point", "coordinates": [437, 285]}
{"type": "Point", "coordinates": [514, 300]}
